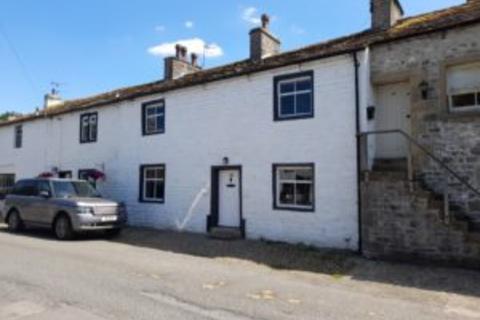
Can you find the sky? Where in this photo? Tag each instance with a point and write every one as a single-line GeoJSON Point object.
{"type": "Point", "coordinates": [92, 46]}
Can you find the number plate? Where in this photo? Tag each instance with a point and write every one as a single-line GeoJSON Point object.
{"type": "Point", "coordinates": [109, 219]}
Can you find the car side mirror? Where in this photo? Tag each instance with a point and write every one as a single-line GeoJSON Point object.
{"type": "Point", "coordinates": [45, 194]}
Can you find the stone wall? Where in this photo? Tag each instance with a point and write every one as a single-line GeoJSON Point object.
{"type": "Point", "coordinates": [457, 142]}
{"type": "Point", "coordinates": [401, 225]}
{"type": "Point", "coordinates": [453, 138]}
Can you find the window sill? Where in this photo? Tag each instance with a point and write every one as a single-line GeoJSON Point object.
{"type": "Point", "coordinates": [461, 116]}
{"type": "Point", "coordinates": [152, 201]}
{"type": "Point", "coordinates": [302, 117]}
{"type": "Point", "coordinates": [153, 133]}
{"type": "Point", "coordinates": [294, 209]}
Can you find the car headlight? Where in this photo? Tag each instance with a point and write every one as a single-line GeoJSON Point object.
{"type": "Point", "coordinates": [85, 210]}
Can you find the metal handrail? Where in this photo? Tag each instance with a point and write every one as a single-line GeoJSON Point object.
{"type": "Point", "coordinates": [411, 140]}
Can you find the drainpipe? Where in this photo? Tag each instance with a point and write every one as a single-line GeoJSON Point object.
{"type": "Point", "coordinates": [356, 66]}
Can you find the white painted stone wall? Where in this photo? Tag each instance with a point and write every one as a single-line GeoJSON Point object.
{"type": "Point", "coordinates": [231, 118]}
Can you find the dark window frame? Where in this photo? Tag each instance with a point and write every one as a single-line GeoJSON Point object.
{"type": "Point", "coordinates": [467, 107]}
{"type": "Point", "coordinates": [275, 166]}
{"type": "Point", "coordinates": [79, 176]}
{"type": "Point", "coordinates": [81, 172]}
{"type": "Point", "coordinates": [7, 182]}
{"type": "Point", "coordinates": [6, 178]}
{"type": "Point", "coordinates": [145, 106]}
{"type": "Point", "coordinates": [18, 136]}
{"type": "Point", "coordinates": [276, 105]}
{"type": "Point", "coordinates": [141, 196]}
{"type": "Point", "coordinates": [88, 116]}
{"type": "Point", "coordinates": [64, 173]}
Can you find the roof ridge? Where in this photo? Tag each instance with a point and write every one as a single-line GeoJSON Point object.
{"type": "Point", "coordinates": [417, 16]}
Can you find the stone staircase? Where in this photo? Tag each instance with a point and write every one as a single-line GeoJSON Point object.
{"type": "Point", "coordinates": [404, 220]}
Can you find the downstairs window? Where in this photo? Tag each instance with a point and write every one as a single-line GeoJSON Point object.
{"type": "Point", "coordinates": [294, 186]}
{"type": "Point", "coordinates": [152, 183]}
{"type": "Point", "coordinates": [7, 181]}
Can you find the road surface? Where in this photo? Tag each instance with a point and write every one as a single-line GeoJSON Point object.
{"type": "Point", "coordinates": [162, 275]}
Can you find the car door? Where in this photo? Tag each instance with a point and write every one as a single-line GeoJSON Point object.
{"type": "Point", "coordinates": [41, 206]}
{"type": "Point", "coordinates": [21, 198]}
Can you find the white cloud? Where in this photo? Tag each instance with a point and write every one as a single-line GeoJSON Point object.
{"type": "Point", "coordinates": [189, 24]}
{"type": "Point", "coordinates": [196, 45]}
{"type": "Point", "coordinates": [160, 28]}
{"type": "Point", "coordinates": [251, 16]}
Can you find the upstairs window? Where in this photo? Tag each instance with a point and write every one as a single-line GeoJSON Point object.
{"type": "Point", "coordinates": [294, 96]}
{"type": "Point", "coordinates": [463, 83]}
{"type": "Point", "coordinates": [152, 183]}
{"type": "Point", "coordinates": [88, 127]}
{"type": "Point", "coordinates": [153, 117]}
{"type": "Point", "coordinates": [18, 137]}
{"type": "Point", "coordinates": [293, 187]}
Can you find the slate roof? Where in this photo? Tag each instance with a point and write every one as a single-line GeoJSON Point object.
{"type": "Point", "coordinates": [407, 27]}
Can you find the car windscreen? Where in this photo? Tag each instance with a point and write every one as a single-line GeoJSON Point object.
{"type": "Point", "coordinates": [74, 189]}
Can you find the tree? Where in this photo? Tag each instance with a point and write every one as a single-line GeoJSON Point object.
{"type": "Point", "coordinates": [4, 116]}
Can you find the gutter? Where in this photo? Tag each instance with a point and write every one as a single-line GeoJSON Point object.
{"type": "Point", "coordinates": [356, 66]}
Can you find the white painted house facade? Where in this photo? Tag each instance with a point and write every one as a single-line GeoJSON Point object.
{"type": "Point", "coordinates": [267, 146]}
{"type": "Point", "coordinates": [205, 124]}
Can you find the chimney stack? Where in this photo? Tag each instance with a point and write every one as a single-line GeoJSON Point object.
{"type": "Point", "coordinates": [178, 48]}
{"type": "Point", "coordinates": [194, 60]}
{"type": "Point", "coordinates": [385, 13]}
{"type": "Point", "coordinates": [178, 66]}
{"type": "Point", "coordinates": [52, 100]}
{"type": "Point", "coordinates": [263, 44]}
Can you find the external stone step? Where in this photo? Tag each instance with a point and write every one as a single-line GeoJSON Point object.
{"type": "Point", "coordinates": [226, 233]}
{"type": "Point", "coordinates": [462, 226]}
{"type": "Point", "coordinates": [390, 165]}
{"type": "Point", "coordinates": [436, 204]}
{"type": "Point", "coordinates": [386, 176]}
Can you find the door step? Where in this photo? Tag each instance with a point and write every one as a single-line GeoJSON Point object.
{"type": "Point", "coordinates": [226, 233]}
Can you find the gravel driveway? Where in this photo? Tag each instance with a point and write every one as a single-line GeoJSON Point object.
{"type": "Point", "coordinates": [149, 274]}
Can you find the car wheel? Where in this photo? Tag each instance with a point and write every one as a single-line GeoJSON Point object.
{"type": "Point", "coordinates": [14, 222]}
{"type": "Point", "coordinates": [113, 233]}
{"type": "Point", "coordinates": [63, 228]}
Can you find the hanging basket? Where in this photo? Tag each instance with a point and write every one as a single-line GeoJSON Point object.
{"type": "Point", "coordinates": [46, 175]}
{"type": "Point", "coordinates": [95, 175]}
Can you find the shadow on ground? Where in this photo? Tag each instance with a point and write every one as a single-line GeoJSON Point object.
{"type": "Point", "coordinates": [337, 264]}
{"type": "Point", "coordinates": [46, 234]}
{"type": "Point", "coordinates": [280, 256]}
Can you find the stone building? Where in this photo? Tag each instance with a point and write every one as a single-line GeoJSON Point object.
{"type": "Point", "coordinates": [432, 212]}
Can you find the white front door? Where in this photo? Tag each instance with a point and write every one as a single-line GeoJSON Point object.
{"type": "Point", "coordinates": [229, 198]}
{"type": "Point", "coordinates": [393, 112]}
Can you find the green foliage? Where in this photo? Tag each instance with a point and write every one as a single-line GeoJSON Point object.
{"type": "Point", "coordinates": [4, 116]}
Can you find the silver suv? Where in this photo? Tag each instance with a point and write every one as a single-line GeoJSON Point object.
{"type": "Point", "coordinates": [66, 206]}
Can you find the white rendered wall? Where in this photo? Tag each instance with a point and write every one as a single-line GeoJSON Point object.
{"type": "Point", "coordinates": [231, 118]}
